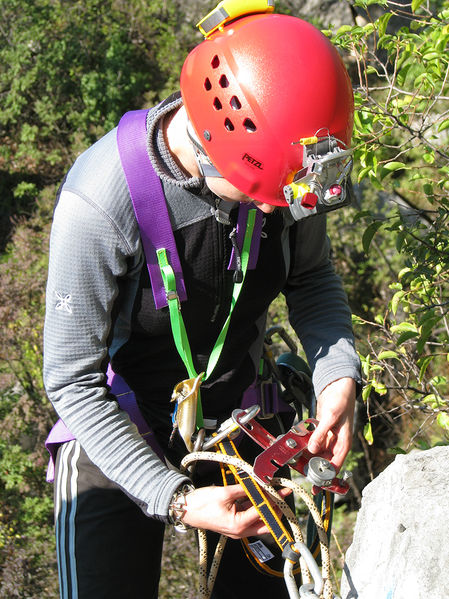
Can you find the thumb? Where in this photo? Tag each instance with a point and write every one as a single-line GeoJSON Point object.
{"type": "Point", "coordinates": [234, 492]}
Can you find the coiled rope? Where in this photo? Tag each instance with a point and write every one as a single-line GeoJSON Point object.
{"type": "Point", "coordinates": [206, 582]}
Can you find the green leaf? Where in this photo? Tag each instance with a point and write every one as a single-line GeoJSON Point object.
{"type": "Point", "coordinates": [396, 451]}
{"type": "Point", "coordinates": [382, 23]}
{"type": "Point", "coordinates": [439, 380]}
{"type": "Point", "coordinates": [443, 420]}
{"type": "Point", "coordinates": [395, 301]}
{"type": "Point", "coordinates": [416, 4]}
{"type": "Point", "coordinates": [430, 400]}
{"type": "Point", "coordinates": [356, 320]}
{"type": "Point", "coordinates": [423, 364]}
{"type": "Point", "coordinates": [404, 327]}
{"type": "Point", "coordinates": [379, 388]}
{"type": "Point", "coordinates": [431, 55]}
{"type": "Point", "coordinates": [395, 166]}
{"type": "Point", "coordinates": [344, 29]}
{"type": "Point", "coordinates": [369, 233]}
{"type": "Point", "coordinates": [443, 125]}
{"type": "Point", "coordinates": [403, 272]}
{"type": "Point", "coordinates": [406, 336]}
{"type": "Point", "coordinates": [400, 238]}
{"type": "Point", "coordinates": [368, 433]}
{"type": "Point", "coordinates": [366, 392]}
{"type": "Point", "coordinates": [387, 355]}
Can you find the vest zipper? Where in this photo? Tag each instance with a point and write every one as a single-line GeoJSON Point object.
{"type": "Point", "coordinates": [221, 259]}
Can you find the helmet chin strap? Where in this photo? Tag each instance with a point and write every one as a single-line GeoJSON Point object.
{"type": "Point", "coordinates": [207, 169]}
{"type": "Point", "coordinates": [222, 208]}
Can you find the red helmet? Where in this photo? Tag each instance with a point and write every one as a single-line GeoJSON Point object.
{"type": "Point", "coordinates": [258, 86]}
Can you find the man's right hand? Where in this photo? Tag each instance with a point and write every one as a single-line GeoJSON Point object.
{"type": "Point", "coordinates": [226, 510]}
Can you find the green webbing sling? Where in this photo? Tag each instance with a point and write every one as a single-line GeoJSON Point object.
{"type": "Point", "coordinates": [177, 322]}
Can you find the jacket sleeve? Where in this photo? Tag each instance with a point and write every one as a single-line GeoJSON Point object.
{"type": "Point", "coordinates": [88, 257]}
{"type": "Point", "coordinates": [318, 306]}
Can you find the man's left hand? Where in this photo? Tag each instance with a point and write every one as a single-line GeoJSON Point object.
{"type": "Point", "coordinates": [332, 439]}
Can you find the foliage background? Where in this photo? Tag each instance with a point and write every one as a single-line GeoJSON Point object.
{"type": "Point", "coordinates": [68, 70]}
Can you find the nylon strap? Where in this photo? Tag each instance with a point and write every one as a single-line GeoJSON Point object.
{"type": "Point", "coordinates": [177, 323]}
{"type": "Point", "coordinates": [258, 498]}
{"type": "Point", "coordinates": [148, 199]}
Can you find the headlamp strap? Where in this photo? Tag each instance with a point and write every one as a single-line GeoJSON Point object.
{"type": "Point", "coordinates": [228, 10]}
{"type": "Point", "coordinates": [207, 169]}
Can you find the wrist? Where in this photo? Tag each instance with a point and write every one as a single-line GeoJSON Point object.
{"type": "Point", "coordinates": [177, 507]}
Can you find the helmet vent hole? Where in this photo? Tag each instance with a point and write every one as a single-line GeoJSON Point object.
{"type": "Point", "coordinates": [249, 125]}
{"type": "Point", "coordinates": [207, 84]}
{"type": "Point", "coordinates": [229, 125]}
{"type": "Point", "coordinates": [215, 62]}
{"type": "Point", "coordinates": [235, 103]}
{"type": "Point", "coordinates": [223, 81]}
{"type": "Point", "coordinates": [217, 104]}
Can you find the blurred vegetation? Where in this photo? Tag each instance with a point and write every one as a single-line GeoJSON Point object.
{"type": "Point", "coordinates": [68, 70]}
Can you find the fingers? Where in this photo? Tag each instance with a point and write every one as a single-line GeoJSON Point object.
{"type": "Point", "coordinates": [333, 436]}
{"type": "Point", "coordinates": [317, 441]}
{"type": "Point", "coordinates": [222, 510]}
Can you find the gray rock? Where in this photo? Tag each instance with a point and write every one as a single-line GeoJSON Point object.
{"type": "Point", "coordinates": [323, 12]}
{"type": "Point", "coordinates": [400, 548]}
{"type": "Point", "coordinates": [326, 13]}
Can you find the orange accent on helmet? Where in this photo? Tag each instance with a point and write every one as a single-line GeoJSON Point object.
{"type": "Point", "coordinates": [258, 86]}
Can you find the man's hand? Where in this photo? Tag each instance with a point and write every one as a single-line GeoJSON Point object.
{"type": "Point", "coordinates": [332, 438]}
{"type": "Point", "coordinates": [225, 510]}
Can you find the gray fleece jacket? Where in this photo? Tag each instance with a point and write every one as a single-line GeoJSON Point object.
{"type": "Point", "coordinates": [100, 309]}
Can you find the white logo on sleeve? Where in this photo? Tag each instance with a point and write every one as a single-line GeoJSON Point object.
{"type": "Point", "coordinates": [64, 302]}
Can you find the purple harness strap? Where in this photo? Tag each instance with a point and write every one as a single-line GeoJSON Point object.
{"type": "Point", "coordinates": [60, 434]}
{"type": "Point", "coordinates": [152, 216]}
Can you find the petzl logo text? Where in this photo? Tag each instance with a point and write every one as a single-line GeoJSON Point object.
{"type": "Point", "coordinates": [252, 161]}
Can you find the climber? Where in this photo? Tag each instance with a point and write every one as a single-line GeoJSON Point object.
{"type": "Point", "coordinates": [262, 121]}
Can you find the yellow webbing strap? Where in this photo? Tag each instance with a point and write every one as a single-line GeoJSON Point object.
{"type": "Point", "coordinates": [229, 479]}
{"type": "Point", "coordinates": [258, 498]}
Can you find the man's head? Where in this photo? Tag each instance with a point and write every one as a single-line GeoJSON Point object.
{"type": "Point", "coordinates": [260, 93]}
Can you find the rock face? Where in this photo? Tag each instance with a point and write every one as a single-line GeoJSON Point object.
{"type": "Point", "coordinates": [400, 548]}
{"type": "Point", "coordinates": [325, 12]}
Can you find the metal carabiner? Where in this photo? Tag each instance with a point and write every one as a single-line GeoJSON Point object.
{"type": "Point", "coordinates": [230, 426]}
{"type": "Point", "coordinates": [305, 591]}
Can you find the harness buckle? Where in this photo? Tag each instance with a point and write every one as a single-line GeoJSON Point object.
{"type": "Point", "coordinates": [172, 294]}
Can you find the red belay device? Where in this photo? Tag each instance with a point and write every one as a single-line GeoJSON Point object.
{"type": "Point", "coordinates": [290, 449]}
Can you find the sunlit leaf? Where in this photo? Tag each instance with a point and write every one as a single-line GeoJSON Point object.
{"type": "Point", "coordinates": [368, 433]}
{"type": "Point", "coordinates": [443, 420]}
{"type": "Point", "coordinates": [387, 355]}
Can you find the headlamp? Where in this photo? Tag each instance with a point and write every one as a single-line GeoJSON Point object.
{"type": "Point", "coordinates": [323, 184]}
